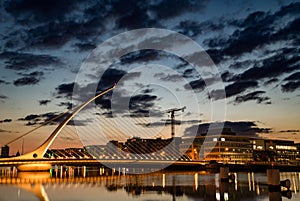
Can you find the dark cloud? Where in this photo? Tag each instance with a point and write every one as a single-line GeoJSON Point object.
{"type": "Point", "coordinates": [29, 117]}
{"type": "Point", "coordinates": [169, 9]}
{"type": "Point", "coordinates": [3, 96]}
{"type": "Point", "coordinates": [164, 122]}
{"type": "Point", "coordinates": [242, 64]}
{"type": "Point", "coordinates": [215, 42]}
{"type": "Point", "coordinates": [44, 102]}
{"type": "Point", "coordinates": [52, 24]}
{"type": "Point", "coordinates": [147, 90]}
{"type": "Point", "coordinates": [255, 29]}
{"type": "Point", "coordinates": [32, 11]}
{"type": "Point", "coordinates": [290, 32]}
{"type": "Point", "coordinates": [261, 28]}
{"type": "Point", "coordinates": [25, 61]}
{"type": "Point", "coordinates": [294, 76]}
{"type": "Point", "coordinates": [189, 73]}
{"type": "Point", "coordinates": [5, 120]}
{"type": "Point", "coordinates": [65, 90]}
{"type": "Point", "coordinates": [290, 86]}
{"type": "Point", "coordinates": [109, 77]}
{"type": "Point", "coordinates": [68, 105]}
{"type": "Point", "coordinates": [131, 14]}
{"type": "Point", "coordinates": [239, 87]}
{"type": "Point", "coordinates": [51, 35]}
{"type": "Point", "coordinates": [256, 96]}
{"type": "Point", "coordinates": [290, 131]}
{"type": "Point", "coordinates": [241, 128]}
{"type": "Point", "coordinates": [270, 81]}
{"type": "Point", "coordinates": [55, 34]}
{"type": "Point", "coordinates": [29, 79]}
{"type": "Point", "coordinates": [292, 9]}
{"type": "Point", "coordinates": [189, 28]}
{"type": "Point", "coordinates": [53, 118]}
{"type": "Point", "coordinates": [270, 68]}
{"type": "Point", "coordinates": [227, 76]}
{"type": "Point", "coordinates": [216, 55]}
{"type": "Point", "coordinates": [108, 114]}
{"type": "Point", "coordinates": [171, 78]}
{"type": "Point", "coordinates": [136, 18]}
{"type": "Point", "coordinates": [26, 81]}
{"type": "Point", "coordinates": [141, 56]}
{"type": "Point", "coordinates": [197, 85]}
{"type": "Point", "coordinates": [193, 28]}
{"type": "Point", "coordinates": [291, 83]}
{"type": "Point", "coordinates": [85, 46]}
{"type": "Point", "coordinates": [104, 102]}
{"type": "Point", "coordinates": [233, 89]}
{"type": "Point", "coordinates": [141, 105]}
{"type": "Point", "coordinates": [3, 82]}
{"type": "Point", "coordinates": [33, 74]}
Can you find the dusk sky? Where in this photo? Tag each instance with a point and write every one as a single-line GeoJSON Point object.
{"type": "Point", "coordinates": [50, 48]}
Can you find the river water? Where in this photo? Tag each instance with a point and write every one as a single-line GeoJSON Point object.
{"type": "Point", "coordinates": [90, 184]}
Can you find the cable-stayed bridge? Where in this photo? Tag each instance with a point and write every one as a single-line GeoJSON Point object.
{"type": "Point", "coordinates": [134, 153]}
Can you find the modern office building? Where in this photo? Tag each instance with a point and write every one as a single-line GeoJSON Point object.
{"type": "Point", "coordinates": [280, 151]}
{"type": "Point", "coordinates": [231, 148]}
{"type": "Point", "coordinates": [226, 147]}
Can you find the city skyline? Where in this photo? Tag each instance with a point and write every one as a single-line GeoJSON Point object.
{"type": "Point", "coordinates": [254, 46]}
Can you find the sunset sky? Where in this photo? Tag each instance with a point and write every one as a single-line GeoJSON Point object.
{"type": "Point", "coordinates": [48, 49]}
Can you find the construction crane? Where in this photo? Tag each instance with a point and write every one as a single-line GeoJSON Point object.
{"type": "Point", "coordinates": [172, 111]}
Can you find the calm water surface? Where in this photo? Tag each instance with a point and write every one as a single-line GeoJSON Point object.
{"type": "Point", "coordinates": [90, 184]}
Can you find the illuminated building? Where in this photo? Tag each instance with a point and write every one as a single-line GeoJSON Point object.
{"type": "Point", "coordinates": [230, 148]}
{"type": "Point", "coordinates": [280, 151]}
{"type": "Point", "coordinates": [226, 147]}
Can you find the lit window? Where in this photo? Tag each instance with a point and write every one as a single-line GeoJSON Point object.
{"type": "Point", "coordinates": [218, 196]}
{"type": "Point", "coordinates": [226, 197]}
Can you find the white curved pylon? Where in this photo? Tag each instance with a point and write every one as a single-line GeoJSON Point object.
{"type": "Point", "coordinates": [39, 152]}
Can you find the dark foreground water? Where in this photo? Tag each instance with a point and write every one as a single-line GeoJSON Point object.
{"type": "Point", "coordinates": [78, 184]}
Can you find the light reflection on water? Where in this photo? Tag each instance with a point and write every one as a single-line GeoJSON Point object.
{"type": "Point", "coordinates": [100, 184]}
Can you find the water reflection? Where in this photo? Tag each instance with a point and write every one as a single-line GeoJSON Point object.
{"type": "Point", "coordinates": [84, 183]}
